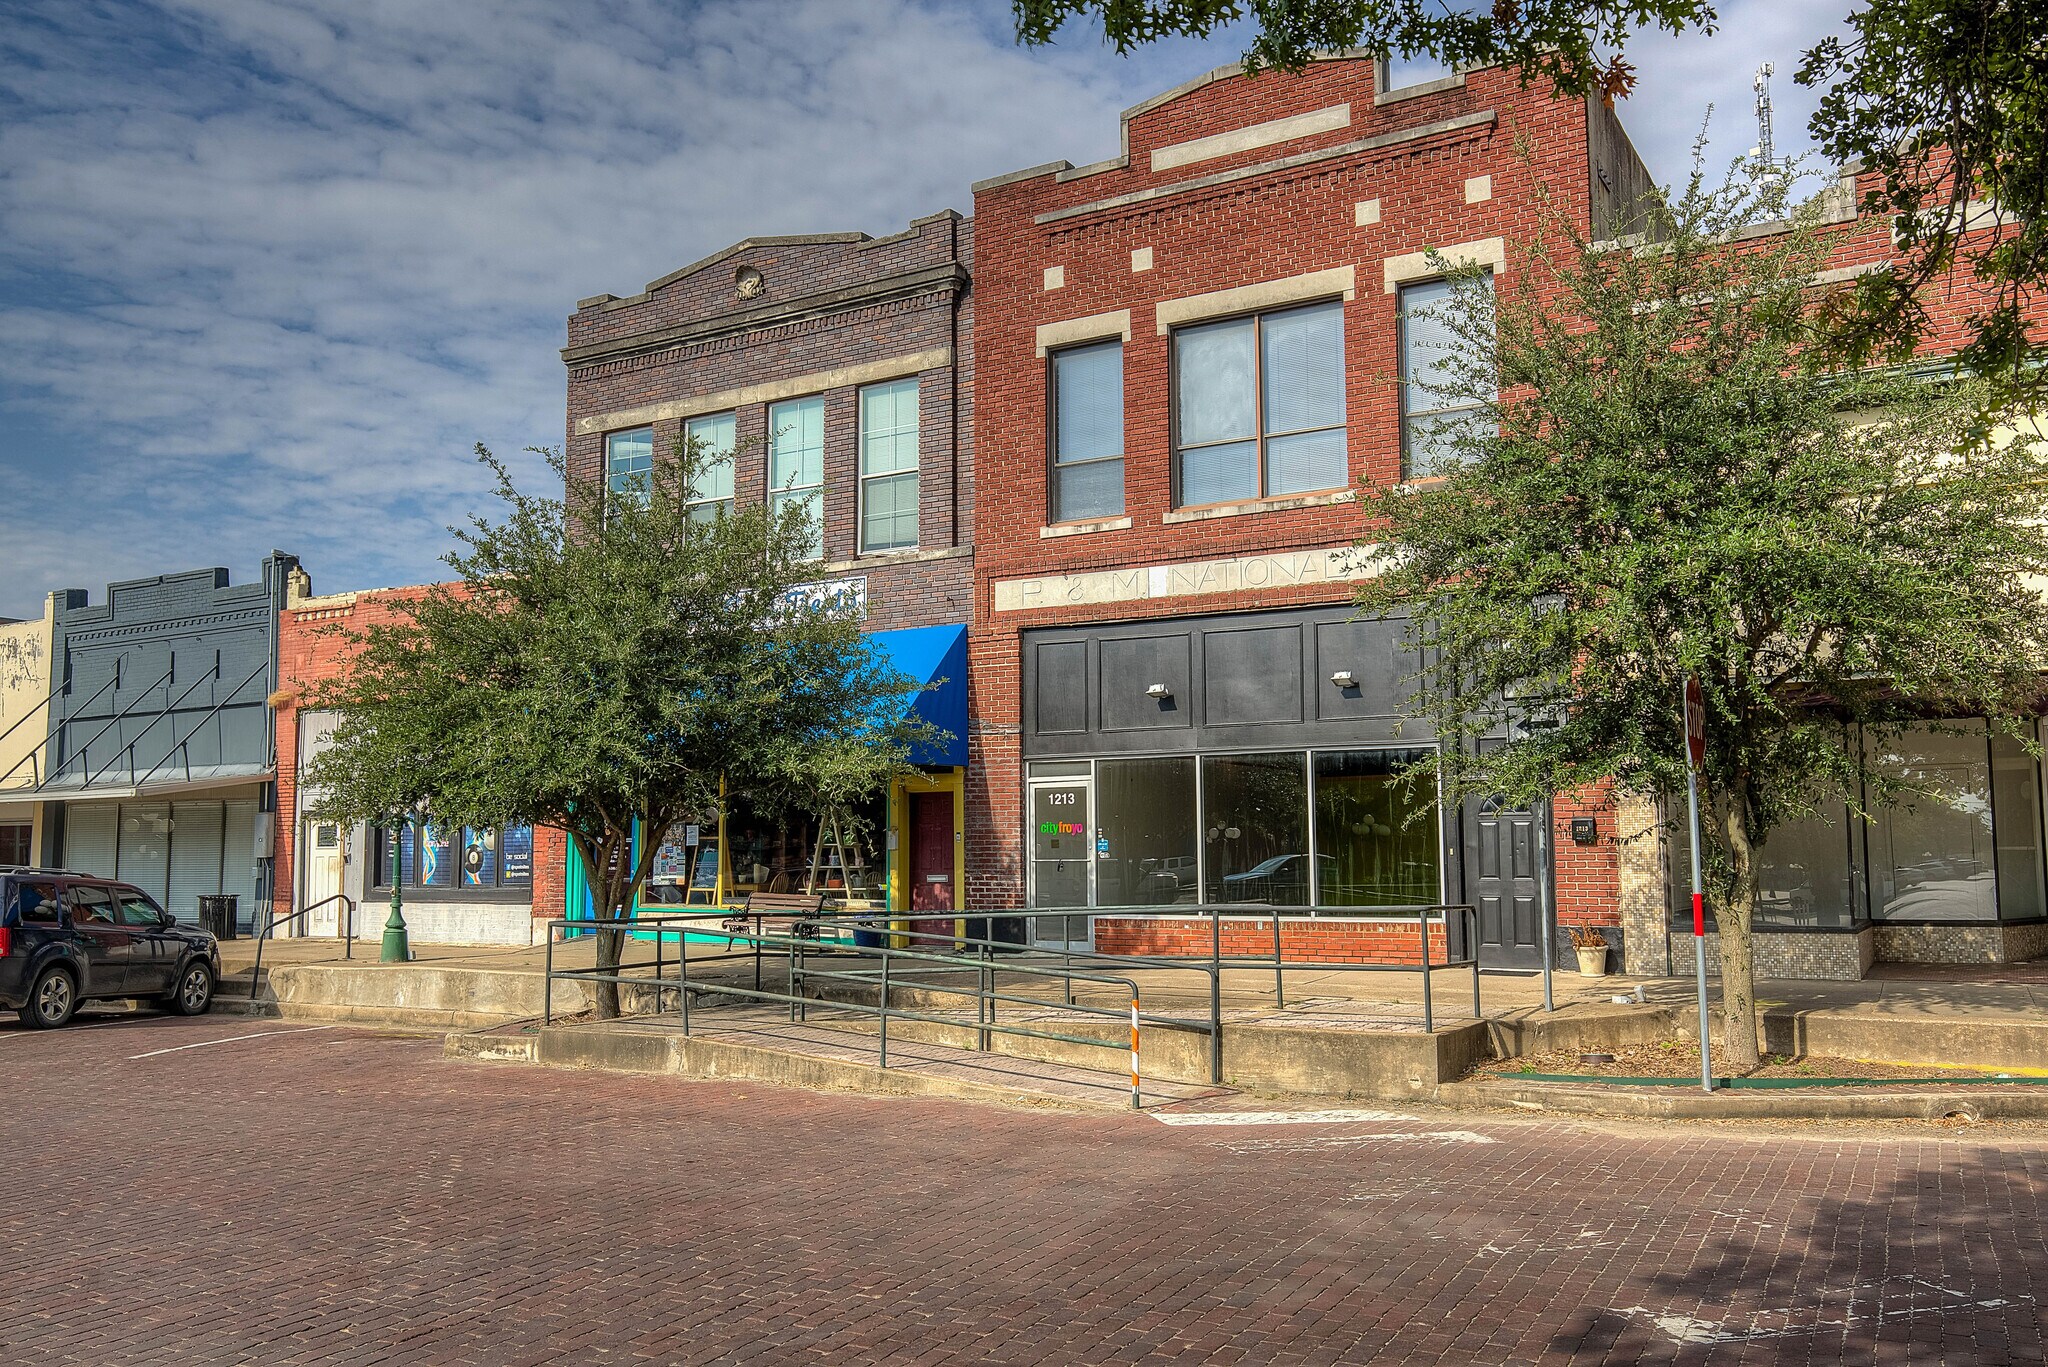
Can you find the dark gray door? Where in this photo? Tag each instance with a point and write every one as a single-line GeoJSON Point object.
{"type": "Point", "coordinates": [1504, 871]}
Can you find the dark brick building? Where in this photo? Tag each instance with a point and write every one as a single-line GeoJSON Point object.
{"type": "Point", "coordinates": [838, 369]}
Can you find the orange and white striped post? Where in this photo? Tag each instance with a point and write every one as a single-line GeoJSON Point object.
{"type": "Point", "coordinates": [1136, 1104]}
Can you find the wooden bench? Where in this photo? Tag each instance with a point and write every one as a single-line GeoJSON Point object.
{"type": "Point", "coordinates": [801, 909]}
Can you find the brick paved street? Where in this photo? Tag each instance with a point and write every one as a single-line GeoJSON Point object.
{"type": "Point", "coordinates": [332, 1195]}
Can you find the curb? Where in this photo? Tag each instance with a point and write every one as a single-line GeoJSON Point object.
{"type": "Point", "coordinates": [1976, 1102]}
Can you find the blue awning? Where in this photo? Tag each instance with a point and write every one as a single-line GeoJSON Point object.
{"type": "Point", "coordinates": [932, 655]}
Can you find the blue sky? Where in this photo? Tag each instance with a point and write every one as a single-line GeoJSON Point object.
{"type": "Point", "coordinates": [269, 268]}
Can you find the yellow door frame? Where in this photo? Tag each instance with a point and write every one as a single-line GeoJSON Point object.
{"type": "Point", "coordinates": [952, 781]}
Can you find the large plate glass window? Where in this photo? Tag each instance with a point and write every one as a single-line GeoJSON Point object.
{"type": "Point", "coordinates": [1436, 421]}
{"type": "Point", "coordinates": [888, 466]}
{"type": "Point", "coordinates": [1259, 406]}
{"type": "Point", "coordinates": [629, 464]}
{"type": "Point", "coordinates": [466, 859]}
{"type": "Point", "coordinates": [796, 463]}
{"type": "Point", "coordinates": [1255, 829]}
{"type": "Point", "coordinates": [1145, 839]}
{"type": "Point", "coordinates": [1088, 432]}
{"type": "Point", "coordinates": [711, 491]}
{"type": "Point", "coordinates": [1377, 837]}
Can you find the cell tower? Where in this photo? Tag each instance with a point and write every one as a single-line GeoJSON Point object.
{"type": "Point", "coordinates": [1766, 148]}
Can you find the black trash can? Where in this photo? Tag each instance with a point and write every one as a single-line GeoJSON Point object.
{"type": "Point", "coordinates": [867, 932]}
{"type": "Point", "coordinates": [217, 915]}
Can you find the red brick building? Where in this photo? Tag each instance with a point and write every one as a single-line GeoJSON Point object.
{"type": "Point", "coordinates": [1188, 357]}
{"type": "Point", "coordinates": [461, 886]}
{"type": "Point", "coordinates": [837, 371]}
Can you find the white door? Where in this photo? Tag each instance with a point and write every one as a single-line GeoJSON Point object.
{"type": "Point", "coordinates": [1062, 859]}
{"type": "Point", "coordinates": [322, 880]}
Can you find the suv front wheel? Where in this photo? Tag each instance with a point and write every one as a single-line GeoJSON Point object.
{"type": "Point", "coordinates": [194, 992]}
{"type": "Point", "coordinates": [52, 1000]}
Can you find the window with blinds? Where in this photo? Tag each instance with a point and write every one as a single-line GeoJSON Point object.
{"type": "Point", "coordinates": [89, 829]}
{"type": "Point", "coordinates": [796, 464]}
{"type": "Point", "coordinates": [711, 492]}
{"type": "Point", "coordinates": [1438, 422]}
{"type": "Point", "coordinates": [143, 850]}
{"type": "Point", "coordinates": [888, 466]}
{"type": "Point", "coordinates": [196, 852]}
{"type": "Point", "coordinates": [1087, 432]}
{"type": "Point", "coordinates": [1259, 406]}
{"type": "Point", "coordinates": [628, 464]}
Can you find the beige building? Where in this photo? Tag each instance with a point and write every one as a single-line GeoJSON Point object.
{"type": "Point", "coordinates": [24, 733]}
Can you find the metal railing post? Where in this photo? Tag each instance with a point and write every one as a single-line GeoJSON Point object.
{"type": "Point", "coordinates": [1428, 1010]}
{"type": "Point", "coordinates": [792, 978]}
{"type": "Point", "coordinates": [1216, 997]}
{"type": "Point", "coordinates": [986, 982]}
{"type": "Point", "coordinates": [547, 986]}
{"type": "Point", "coordinates": [885, 1008]}
{"type": "Point", "coordinates": [1279, 973]}
{"type": "Point", "coordinates": [683, 979]}
{"type": "Point", "coordinates": [1471, 933]}
{"type": "Point", "coordinates": [1137, 1101]}
{"type": "Point", "coordinates": [658, 931]}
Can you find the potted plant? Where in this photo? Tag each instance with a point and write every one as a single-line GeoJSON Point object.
{"type": "Point", "coordinates": [1591, 947]}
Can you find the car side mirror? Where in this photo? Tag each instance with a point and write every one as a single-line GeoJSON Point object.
{"type": "Point", "coordinates": [169, 919]}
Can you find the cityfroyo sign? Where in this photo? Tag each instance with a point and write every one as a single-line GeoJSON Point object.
{"type": "Point", "coordinates": [1059, 828]}
{"type": "Point", "coordinates": [1184, 580]}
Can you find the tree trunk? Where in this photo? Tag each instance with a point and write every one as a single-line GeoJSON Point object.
{"type": "Point", "coordinates": [604, 865]}
{"type": "Point", "coordinates": [1739, 1053]}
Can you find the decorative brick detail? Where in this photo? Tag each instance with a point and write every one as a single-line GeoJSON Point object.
{"type": "Point", "coordinates": [1317, 939]}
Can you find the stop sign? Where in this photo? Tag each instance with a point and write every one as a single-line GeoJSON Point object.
{"type": "Point", "coordinates": [1695, 723]}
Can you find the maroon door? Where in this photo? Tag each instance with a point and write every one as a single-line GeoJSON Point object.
{"type": "Point", "coordinates": [931, 866]}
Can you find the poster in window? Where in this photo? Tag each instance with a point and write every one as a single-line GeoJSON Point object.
{"type": "Point", "coordinates": [672, 856]}
{"type": "Point", "coordinates": [515, 848]}
{"type": "Point", "coordinates": [437, 857]}
{"type": "Point", "coordinates": [477, 857]}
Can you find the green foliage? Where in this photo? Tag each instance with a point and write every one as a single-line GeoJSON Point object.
{"type": "Point", "coordinates": [1946, 101]}
{"type": "Point", "coordinates": [1575, 43]}
{"type": "Point", "coordinates": [1666, 481]}
{"type": "Point", "coordinates": [599, 663]}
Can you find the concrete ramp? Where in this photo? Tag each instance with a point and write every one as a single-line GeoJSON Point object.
{"type": "Point", "coordinates": [760, 1044]}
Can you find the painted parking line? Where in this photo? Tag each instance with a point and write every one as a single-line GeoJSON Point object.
{"type": "Point", "coordinates": [233, 1039]}
{"type": "Point", "coordinates": [1278, 1117]}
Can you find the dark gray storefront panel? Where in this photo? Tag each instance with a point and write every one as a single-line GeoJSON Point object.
{"type": "Point", "coordinates": [1238, 681]}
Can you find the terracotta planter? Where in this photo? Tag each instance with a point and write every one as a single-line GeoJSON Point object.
{"type": "Point", "coordinates": [1593, 962]}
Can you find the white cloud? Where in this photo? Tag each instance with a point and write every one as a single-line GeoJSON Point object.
{"type": "Point", "coordinates": [268, 268]}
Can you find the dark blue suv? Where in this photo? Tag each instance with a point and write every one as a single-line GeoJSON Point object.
{"type": "Point", "coordinates": [67, 938]}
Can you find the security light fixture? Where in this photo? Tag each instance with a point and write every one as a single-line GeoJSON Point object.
{"type": "Point", "coordinates": [1344, 678]}
{"type": "Point", "coordinates": [1158, 690]}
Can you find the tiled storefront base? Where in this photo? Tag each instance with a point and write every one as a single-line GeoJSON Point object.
{"type": "Point", "coordinates": [1842, 956]}
{"type": "Point", "coordinates": [1845, 956]}
{"type": "Point", "coordinates": [1961, 944]}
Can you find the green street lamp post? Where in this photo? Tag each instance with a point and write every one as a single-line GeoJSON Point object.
{"type": "Point", "coordinates": [397, 941]}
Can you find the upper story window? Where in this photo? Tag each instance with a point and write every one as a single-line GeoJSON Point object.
{"type": "Point", "coordinates": [1087, 435]}
{"type": "Point", "coordinates": [711, 495]}
{"type": "Point", "coordinates": [796, 463]}
{"type": "Point", "coordinates": [888, 466]}
{"type": "Point", "coordinates": [1259, 406]}
{"type": "Point", "coordinates": [629, 464]}
{"type": "Point", "coordinates": [1434, 420]}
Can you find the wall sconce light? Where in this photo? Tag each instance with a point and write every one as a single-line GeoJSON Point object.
{"type": "Point", "coordinates": [1344, 678]}
{"type": "Point", "coordinates": [1158, 690]}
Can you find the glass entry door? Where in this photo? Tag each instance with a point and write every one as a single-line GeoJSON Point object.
{"type": "Point", "coordinates": [1062, 858]}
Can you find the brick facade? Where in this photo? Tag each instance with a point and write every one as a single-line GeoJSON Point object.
{"type": "Point", "coordinates": [1234, 183]}
{"type": "Point", "coordinates": [313, 650]}
{"type": "Point", "coordinates": [780, 318]}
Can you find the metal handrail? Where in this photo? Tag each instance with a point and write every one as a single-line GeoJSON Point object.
{"type": "Point", "coordinates": [1216, 961]}
{"type": "Point", "coordinates": [348, 939]}
{"type": "Point", "coordinates": [983, 992]}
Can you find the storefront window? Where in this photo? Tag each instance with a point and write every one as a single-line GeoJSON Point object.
{"type": "Point", "coordinates": [1806, 876]}
{"type": "Point", "coordinates": [1932, 856]}
{"type": "Point", "coordinates": [794, 851]}
{"type": "Point", "coordinates": [465, 858]}
{"type": "Point", "coordinates": [1145, 841]}
{"type": "Point", "coordinates": [1255, 829]}
{"type": "Point", "coordinates": [2016, 797]}
{"type": "Point", "coordinates": [1377, 839]}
